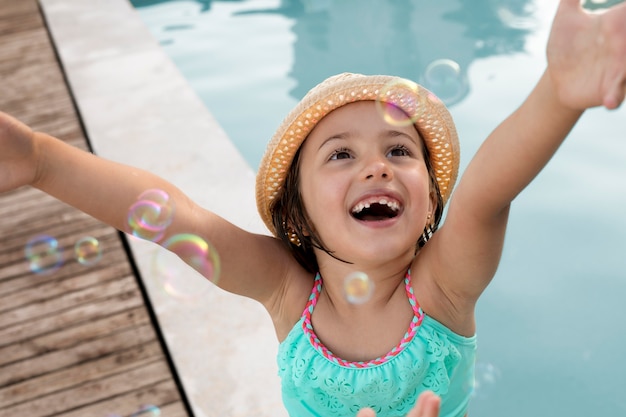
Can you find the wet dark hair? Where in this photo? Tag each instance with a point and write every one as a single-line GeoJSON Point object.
{"type": "Point", "coordinates": [294, 227]}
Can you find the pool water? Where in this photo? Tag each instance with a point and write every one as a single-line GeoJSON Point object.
{"type": "Point", "coordinates": [550, 326]}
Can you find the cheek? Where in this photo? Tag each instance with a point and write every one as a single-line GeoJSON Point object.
{"type": "Point", "coordinates": [306, 193]}
{"type": "Point", "coordinates": [419, 183]}
{"type": "Point", "coordinates": [322, 198]}
{"type": "Point", "coordinates": [311, 199]}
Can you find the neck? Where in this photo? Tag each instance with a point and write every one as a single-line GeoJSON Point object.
{"type": "Point", "coordinates": [366, 330]}
{"type": "Point", "coordinates": [353, 288]}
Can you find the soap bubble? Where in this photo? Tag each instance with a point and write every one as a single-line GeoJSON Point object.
{"type": "Point", "coordinates": [399, 102]}
{"type": "Point", "coordinates": [147, 411]}
{"type": "Point", "coordinates": [358, 287]}
{"type": "Point", "coordinates": [514, 20]}
{"type": "Point", "coordinates": [43, 254]}
{"type": "Point", "coordinates": [445, 79]}
{"type": "Point", "coordinates": [197, 253]}
{"type": "Point", "coordinates": [486, 376]}
{"type": "Point", "coordinates": [87, 251]}
{"type": "Point", "coordinates": [151, 214]}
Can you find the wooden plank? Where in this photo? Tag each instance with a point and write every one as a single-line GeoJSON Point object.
{"type": "Point", "coordinates": [60, 304]}
{"type": "Point", "coordinates": [106, 239]}
{"type": "Point", "coordinates": [18, 17]}
{"type": "Point", "coordinates": [159, 395]}
{"type": "Point", "coordinates": [19, 332]}
{"type": "Point", "coordinates": [10, 8]}
{"type": "Point", "coordinates": [81, 353]}
{"type": "Point", "coordinates": [67, 378]}
{"type": "Point", "coordinates": [66, 337]}
{"type": "Point", "coordinates": [93, 391]}
{"type": "Point", "coordinates": [32, 288]}
{"type": "Point", "coordinates": [78, 341]}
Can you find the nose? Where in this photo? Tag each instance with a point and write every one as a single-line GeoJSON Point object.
{"type": "Point", "coordinates": [377, 168]}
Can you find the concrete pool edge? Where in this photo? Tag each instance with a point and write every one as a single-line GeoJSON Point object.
{"type": "Point", "coordinates": [137, 109]}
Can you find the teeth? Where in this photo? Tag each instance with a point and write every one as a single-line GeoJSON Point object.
{"type": "Point", "coordinates": [394, 205]}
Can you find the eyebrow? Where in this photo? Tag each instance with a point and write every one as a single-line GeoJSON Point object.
{"type": "Point", "coordinates": [392, 133]}
{"type": "Point", "coordinates": [342, 135]}
{"type": "Point", "coordinates": [386, 133]}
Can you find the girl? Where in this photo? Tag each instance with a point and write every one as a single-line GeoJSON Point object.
{"type": "Point", "coordinates": [343, 190]}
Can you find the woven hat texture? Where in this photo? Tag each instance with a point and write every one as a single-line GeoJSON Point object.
{"type": "Point", "coordinates": [430, 116]}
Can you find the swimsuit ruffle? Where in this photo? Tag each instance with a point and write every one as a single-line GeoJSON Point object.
{"type": "Point", "coordinates": [427, 362]}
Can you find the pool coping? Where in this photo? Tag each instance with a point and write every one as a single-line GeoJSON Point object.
{"type": "Point", "coordinates": [133, 90]}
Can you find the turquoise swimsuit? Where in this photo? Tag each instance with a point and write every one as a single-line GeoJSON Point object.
{"type": "Point", "coordinates": [315, 383]}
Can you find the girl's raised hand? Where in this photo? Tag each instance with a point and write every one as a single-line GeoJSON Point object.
{"type": "Point", "coordinates": [587, 55]}
{"type": "Point", "coordinates": [18, 156]}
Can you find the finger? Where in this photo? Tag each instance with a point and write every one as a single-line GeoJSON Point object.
{"type": "Point", "coordinates": [570, 4]}
{"type": "Point", "coordinates": [419, 406]}
{"type": "Point", "coordinates": [431, 407]}
{"type": "Point", "coordinates": [366, 412]}
{"type": "Point", "coordinates": [621, 7]}
{"type": "Point", "coordinates": [615, 95]}
{"type": "Point", "coordinates": [417, 410]}
{"type": "Point", "coordinates": [427, 405]}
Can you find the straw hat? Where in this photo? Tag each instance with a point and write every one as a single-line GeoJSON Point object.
{"type": "Point", "coordinates": [423, 108]}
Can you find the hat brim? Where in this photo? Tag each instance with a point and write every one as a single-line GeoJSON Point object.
{"type": "Point", "coordinates": [429, 115]}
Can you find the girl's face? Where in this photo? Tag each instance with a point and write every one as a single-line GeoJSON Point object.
{"type": "Point", "coordinates": [365, 185]}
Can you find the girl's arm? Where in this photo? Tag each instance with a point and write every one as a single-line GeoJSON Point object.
{"type": "Point", "coordinates": [252, 265]}
{"type": "Point", "coordinates": [586, 68]}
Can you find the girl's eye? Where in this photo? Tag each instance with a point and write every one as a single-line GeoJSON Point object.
{"type": "Point", "coordinates": [399, 150]}
{"type": "Point", "coordinates": [340, 154]}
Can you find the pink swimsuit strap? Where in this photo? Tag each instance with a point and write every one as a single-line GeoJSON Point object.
{"type": "Point", "coordinates": [317, 344]}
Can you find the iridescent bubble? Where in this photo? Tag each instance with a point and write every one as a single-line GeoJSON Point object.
{"type": "Point", "coordinates": [43, 254]}
{"type": "Point", "coordinates": [151, 214]}
{"type": "Point", "coordinates": [147, 411]}
{"type": "Point", "coordinates": [445, 79]}
{"type": "Point", "coordinates": [197, 253]}
{"type": "Point", "coordinates": [486, 376]}
{"type": "Point", "coordinates": [400, 102]}
{"type": "Point", "coordinates": [88, 251]}
{"type": "Point", "coordinates": [514, 20]}
{"type": "Point", "coordinates": [358, 287]}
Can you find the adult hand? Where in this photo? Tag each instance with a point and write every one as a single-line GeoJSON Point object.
{"type": "Point", "coordinates": [427, 406]}
{"type": "Point", "coordinates": [587, 55]}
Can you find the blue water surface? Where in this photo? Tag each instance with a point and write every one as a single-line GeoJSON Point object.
{"type": "Point", "coordinates": [550, 325]}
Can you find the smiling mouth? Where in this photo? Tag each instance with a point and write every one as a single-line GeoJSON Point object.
{"type": "Point", "coordinates": [376, 209]}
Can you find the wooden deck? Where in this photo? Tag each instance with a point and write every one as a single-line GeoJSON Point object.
{"type": "Point", "coordinates": [78, 341]}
